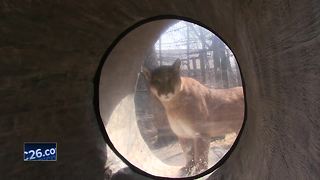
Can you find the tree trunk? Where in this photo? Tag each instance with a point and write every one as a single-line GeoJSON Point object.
{"type": "Point", "coordinates": [188, 50]}
{"type": "Point", "coordinates": [202, 67]}
{"type": "Point", "coordinates": [216, 68]}
{"type": "Point", "coordinates": [194, 64]}
{"type": "Point", "coordinates": [224, 69]}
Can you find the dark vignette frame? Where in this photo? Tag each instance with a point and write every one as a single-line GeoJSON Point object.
{"type": "Point", "coordinates": [96, 97]}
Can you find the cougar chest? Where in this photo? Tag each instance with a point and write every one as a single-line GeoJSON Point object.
{"type": "Point", "coordinates": [181, 127]}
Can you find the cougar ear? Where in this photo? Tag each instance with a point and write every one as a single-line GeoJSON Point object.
{"type": "Point", "coordinates": [146, 72]}
{"type": "Point", "coordinates": [176, 65]}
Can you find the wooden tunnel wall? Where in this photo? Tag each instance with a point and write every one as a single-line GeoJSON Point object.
{"type": "Point", "coordinates": [51, 50]}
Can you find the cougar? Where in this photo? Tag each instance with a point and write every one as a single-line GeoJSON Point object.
{"type": "Point", "coordinates": [195, 112]}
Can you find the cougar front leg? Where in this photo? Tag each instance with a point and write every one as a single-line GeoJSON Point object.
{"type": "Point", "coordinates": [187, 146]}
{"type": "Point", "coordinates": [202, 145]}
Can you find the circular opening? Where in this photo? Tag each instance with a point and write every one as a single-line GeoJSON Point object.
{"type": "Point", "coordinates": [170, 99]}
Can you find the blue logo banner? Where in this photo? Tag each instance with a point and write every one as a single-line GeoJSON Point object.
{"type": "Point", "coordinates": [41, 151]}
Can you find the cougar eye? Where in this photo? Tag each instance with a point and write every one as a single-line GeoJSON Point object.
{"type": "Point", "coordinates": [157, 81]}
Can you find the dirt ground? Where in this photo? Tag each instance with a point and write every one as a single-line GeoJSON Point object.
{"type": "Point", "coordinates": [172, 155]}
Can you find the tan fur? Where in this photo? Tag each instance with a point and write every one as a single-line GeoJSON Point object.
{"type": "Point", "coordinates": [197, 113]}
{"type": "Point", "coordinates": [197, 109]}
